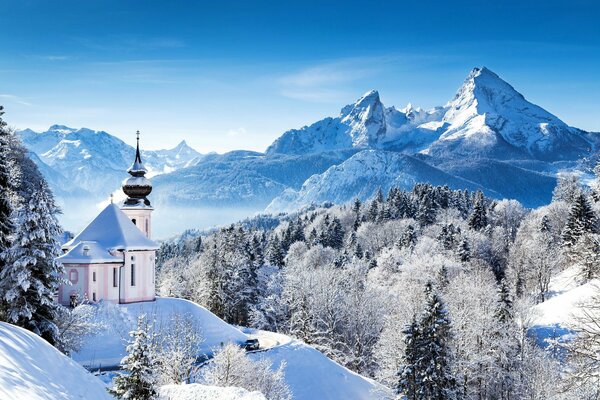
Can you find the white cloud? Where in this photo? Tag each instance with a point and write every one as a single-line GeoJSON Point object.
{"type": "Point", "coordinates": [15, 99]}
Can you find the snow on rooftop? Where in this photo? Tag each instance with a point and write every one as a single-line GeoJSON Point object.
{"type": "Point", "coordinates": [112, 230]}
{"type": "Point", "coordinates": [31, 369]}
{"type": "Point", "coordinates": [86, 252]}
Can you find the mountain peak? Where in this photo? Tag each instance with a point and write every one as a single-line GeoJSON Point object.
{"type": "Point", "coordinates": [61, 129]}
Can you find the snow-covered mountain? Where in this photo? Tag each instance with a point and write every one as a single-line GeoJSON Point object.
{"type": "Point", "coordinates": [364, 124]}
{"type": "Point", "coordinates": [489, 117]}
{"type": "Point", "coordinates": [488, 136]}
{"type": "Point", "coordinates": [83, 161]}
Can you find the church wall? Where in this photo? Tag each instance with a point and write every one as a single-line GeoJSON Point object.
{"type": "Point", "coordinates": [144, 288]}
{"type": "Point", "coordinates": [82, 281]}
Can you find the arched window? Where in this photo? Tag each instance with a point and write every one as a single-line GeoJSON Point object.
{"type": "Point", "coordinates": [73, 276]}
{"type": "Point", "coordinates": [133, 220]}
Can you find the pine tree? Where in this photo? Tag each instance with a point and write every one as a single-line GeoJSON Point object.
{"type": "Point", "coordinates": [426, 373]}
{"type": "Point", "coordinates": [581, 220]}
{"type": "Point", "coordinates": [408, 382]}
{"type": "Point", "coordinates": [30, 279]}
{"type": "Point", "coordinates": [138, 363]}
{"type": "Point", "coordinates": [6, 188]}
{"type": "Point", "coordinates": [426, 210]}
{"type": "Point", "coordinates": [408, 238]}
{"type": "Point", "coordinates": [464, 251]}
{"type": "Point", "coordinates": [478, 219]}
{"type": "Point", "coordinates": [275, 253]}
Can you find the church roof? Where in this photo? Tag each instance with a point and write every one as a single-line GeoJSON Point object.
{"type": "Point", "coordinates": [113, 230]}
{"type": "Point", "coordinates": [88, 253]}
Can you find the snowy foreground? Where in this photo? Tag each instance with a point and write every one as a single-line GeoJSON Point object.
{"type": "Point", "coordinates": [309, 373]}
{"type": "Point", "coordinates": [196, 391]}
{"type": "Point", "coordinates": [31, 369]}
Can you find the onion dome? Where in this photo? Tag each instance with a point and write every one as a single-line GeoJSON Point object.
{"type": "Point", "coordinates": [137, 187]}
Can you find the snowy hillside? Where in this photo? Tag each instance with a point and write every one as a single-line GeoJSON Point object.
{"type": "Point", "coordinates": [107, 346]}
{"type": "Point", "coordinates": [311, 375]}
{"type": "Point", "coordinates": [31, 369]}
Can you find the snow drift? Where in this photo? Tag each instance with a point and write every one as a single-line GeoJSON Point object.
{"type": "Point", "coordinates": [31, 369]}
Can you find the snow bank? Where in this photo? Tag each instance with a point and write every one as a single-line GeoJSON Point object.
{"type": "Point", "coordinates": [311, 375]}
{"type": "Point", "coordinates": [567, 294]}
{"type": "Point", "coordinates": [31, 369]}
{"type": "Point", "coordinates": [196, 391]}
{"type": "Point", "coordinates": [106, 347]}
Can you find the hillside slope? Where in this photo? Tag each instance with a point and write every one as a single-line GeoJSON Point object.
{"type": "Point", "coordinates": [31, 369]}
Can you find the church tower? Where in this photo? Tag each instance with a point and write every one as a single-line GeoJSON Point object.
{"type": "Point", "coordinates": [137, 187]}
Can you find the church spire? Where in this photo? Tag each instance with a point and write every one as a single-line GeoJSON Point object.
{"type": "Point", "coordinates": [137, 168]}
{"type": "Point", "coordinates": [137, 187]}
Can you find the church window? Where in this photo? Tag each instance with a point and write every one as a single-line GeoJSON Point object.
{"type": "Point", "coordinates": [132, 274]}
{"type": "Point", "coordinates": [115, 277]}
{"type": "Point", "coordinates": [94, 296]}
{"type": "Point", "coordinates": [73, 276]}
{"type": "Point", "coordinates": [134, 222]}
{"type": "Point", "coordinates": [146, 227]}
{"type": "Point", "coordinates": [94, 276]}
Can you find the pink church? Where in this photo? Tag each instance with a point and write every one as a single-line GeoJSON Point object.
{"type": "Point", "coordinates": [113, 258]}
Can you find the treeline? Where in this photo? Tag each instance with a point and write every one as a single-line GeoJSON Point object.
{"type": "Point", "coordinates": [367, 282]}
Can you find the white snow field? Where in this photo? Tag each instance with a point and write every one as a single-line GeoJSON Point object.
{"type": "Point", "coordinates": [311, 375]}
{"type": "Point", "coordinates": [31, 369]}
{"type": "Point", "coordinates": [567, 292]}
{"type": "Point", "coordinates": [106, 347]}
{"type": "Point", "coordinates": [196, 391]}
{"type": "Point", "coordinates": [556, 317]}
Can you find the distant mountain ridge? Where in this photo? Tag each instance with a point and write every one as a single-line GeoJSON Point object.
{"type": "Point", "coordinates": [87, 162]}
{"type": "Point", "coordinates": [488, 137]}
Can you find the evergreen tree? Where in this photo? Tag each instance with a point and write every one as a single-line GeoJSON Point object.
{"type": "Point", "coordinates": [408, 382]}
{"type": "Point", "coordinates": [426, 210]}
{"type": "Point", "coordinates": [581, 220]}
{"type": "Point", "coordinates": [464, 251]}
{"type": "Point", "coordinates": [275, 253]}
{"type": "Point", "coordinates": [426, 373]}
{"type": "Point", "coordinates": [6, 188]}
{"type": "Point", "coordinates": [478, 219]}
{"type": "Point", "coordinates": [139, 384]}
{"type": "Point", "coordinates": [408, 238]}
{"type": "Point", "coordinates": [31, 276]}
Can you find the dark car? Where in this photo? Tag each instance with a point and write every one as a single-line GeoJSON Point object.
{"type": "Point", "coordinates": [251, 345]}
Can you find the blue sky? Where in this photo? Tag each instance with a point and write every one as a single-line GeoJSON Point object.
{"type": "Point", "coordinates": [226, 75]}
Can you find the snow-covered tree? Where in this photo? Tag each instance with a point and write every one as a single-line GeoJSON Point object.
{"type": "Point", "coordinates": [31, 275]}
{"type": "Point", "coordinates": [6, 188]}
{"type": "Point", "coordinates": [74, 325]}
{"type": "Point", "coordinates": [582, 219]}
{"type": "Point", "coordinates": [427, 364]}
{"type": "Point", "coordinates": [478, 219]}
{"type": "Point", "coordinates": [175, 350]}
{"type": "Point", "coordinates": [232, 367]}
{"type": "Point", "coordinates": [567, 188]}
{"type": "Point", "coordinates": [137, 383]}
